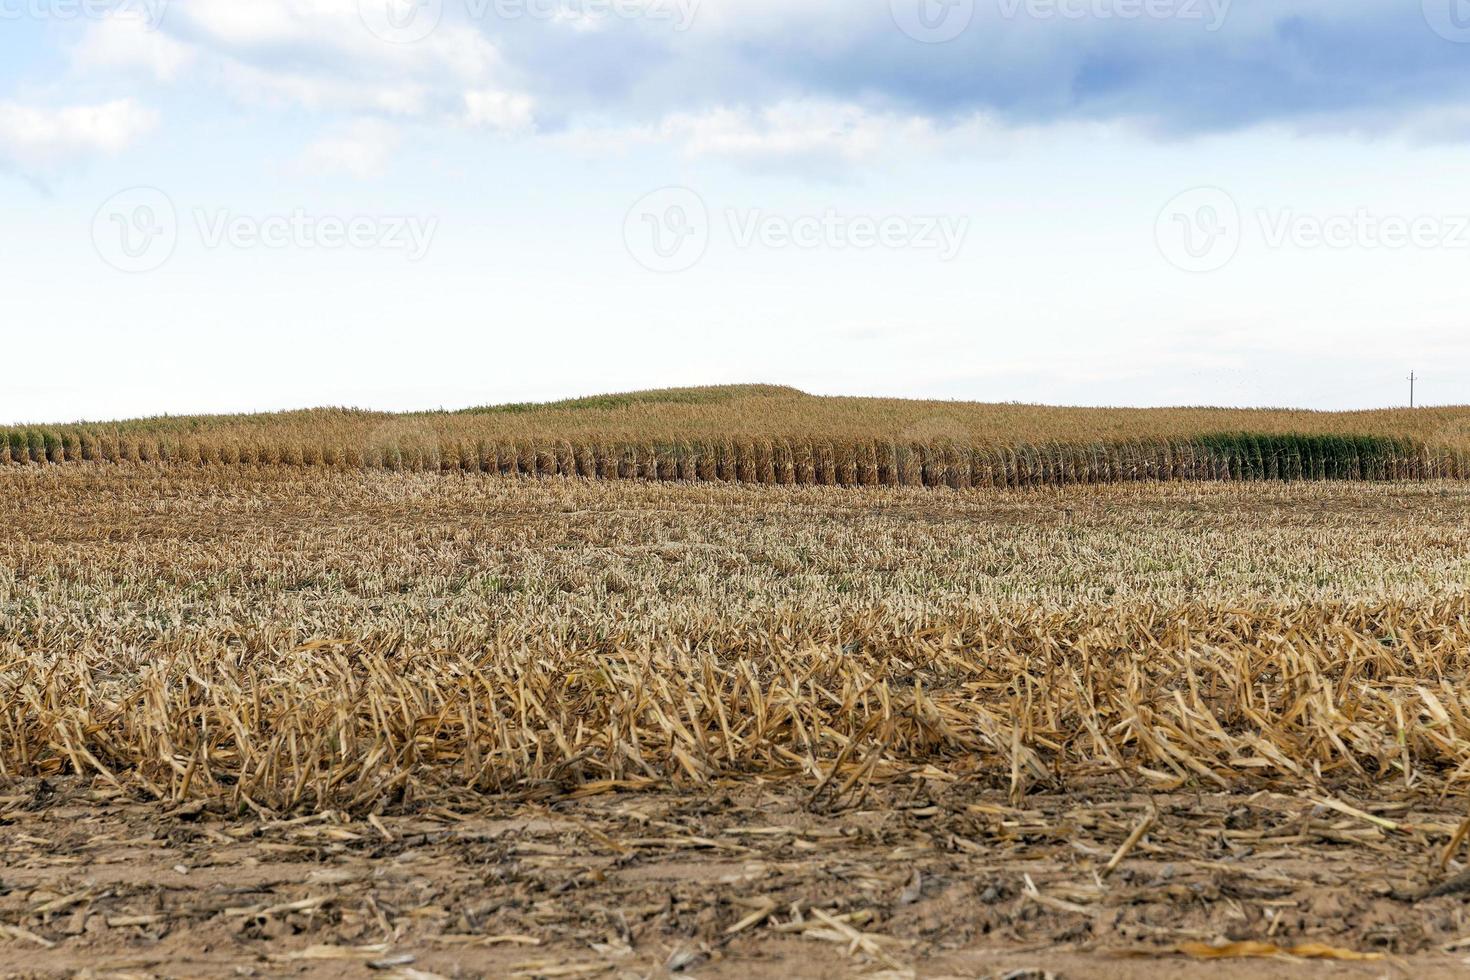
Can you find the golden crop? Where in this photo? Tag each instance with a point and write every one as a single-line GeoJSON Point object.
{"type": "Point", "coordinates": [760, 434]}
{"type": "Point", "coordinates": [287, 639]}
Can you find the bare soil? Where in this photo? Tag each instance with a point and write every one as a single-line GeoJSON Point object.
{"type": "Point", "coordinates": [926, 878]}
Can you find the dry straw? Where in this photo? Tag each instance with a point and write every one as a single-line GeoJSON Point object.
{"type": "Point", "coordinates": [292, 638]}
{"type": "Point", "coordinates": [1324, 698]}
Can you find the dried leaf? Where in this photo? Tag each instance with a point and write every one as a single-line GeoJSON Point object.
{"type": "Point", "coordinates": [1253, 948]}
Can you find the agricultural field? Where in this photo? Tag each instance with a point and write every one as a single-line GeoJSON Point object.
{"type": "Point", "coordinates": [316, 721]}
{"type": "Point", "coordinates": [773, 435]}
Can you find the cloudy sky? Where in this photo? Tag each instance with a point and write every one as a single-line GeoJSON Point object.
{"type": "Point", "coordinates": [221, 205]}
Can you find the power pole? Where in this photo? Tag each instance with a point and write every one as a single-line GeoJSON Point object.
{"type": "Point", "coordinates": [1412, 379]}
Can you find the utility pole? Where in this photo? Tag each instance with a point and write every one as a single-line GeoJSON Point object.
{"type": "Point", "coordinates": [1412, 379]}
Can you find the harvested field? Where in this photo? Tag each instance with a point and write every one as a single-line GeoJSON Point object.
{"type": "Point", "coordinates": [566, 727]}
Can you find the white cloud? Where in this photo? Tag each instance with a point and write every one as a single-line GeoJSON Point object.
{"type": "Point", "coordinates": [794, 131]}
{"type": "Point", "coordinates": [255, 85]}
{"type": "Point", "coordinates": [315, 54]}
{"type": "Point", "coordinates": [257, 23]}
{"type": "Point", "coordinates": [32, 136]}
{"type": "Point", "coordinates": [130, 44]}
{"type": "Point", "coordinates": [330, 35]}
{"type": "Point", "coordinates": [788, 135]}
{"type": "Point", "coordinates": [746, 19]}
{"type": "Point", "coordinates": [321, 56]}
{"type": "Point", "coordinates": [361, 149]}
{"type": "Point", "coordinates": [505, 111]}
{"type": "Point", "coordinates": [826, 138]}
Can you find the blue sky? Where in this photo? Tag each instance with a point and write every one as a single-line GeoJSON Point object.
{"type": "Point", "coordinates": [215, 205]}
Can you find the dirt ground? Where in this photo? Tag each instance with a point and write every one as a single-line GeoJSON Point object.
{"type": "Point", "coordinates": [926, 878]}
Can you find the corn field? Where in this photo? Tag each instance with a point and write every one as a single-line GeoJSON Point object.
{"type": "Point", "coordinates": [303, 639]}
{"type": "Point", "coordinates": [780, 436]}
{"type": "Point", "coordinates": [1204, 696]}
{"type": "Point", "coordinates": [801, 462]}
{"type": "Point", "coordinates": [292, 719]}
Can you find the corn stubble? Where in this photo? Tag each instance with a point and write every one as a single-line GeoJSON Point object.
{"type": "Point", "coordinates": [289, 640]}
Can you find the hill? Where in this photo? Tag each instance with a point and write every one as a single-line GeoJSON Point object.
{"type": "Point", "coordinates": [770, 433]}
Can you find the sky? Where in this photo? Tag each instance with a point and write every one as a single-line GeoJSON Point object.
{"type": "Point", "coordinates": [242, 205]}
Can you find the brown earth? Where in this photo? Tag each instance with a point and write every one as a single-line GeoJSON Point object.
{"type": "Point", "coordinates": [926, 878]}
